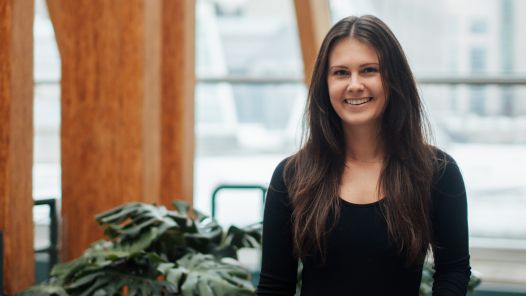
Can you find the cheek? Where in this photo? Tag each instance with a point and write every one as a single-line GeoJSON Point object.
{"type": "Point", "coordinates": [333, 102]}
{"type": "Point", "coordinates": [332, 93]}
{"type": "Point", "coordinates": [336, 89]}
{"type": "Point", "coordinates": [378, 86]}
{"type": "Point", "coordinates": [330, 88]}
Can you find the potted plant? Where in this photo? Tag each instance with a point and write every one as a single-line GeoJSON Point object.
{"type": "Point", "coordinates": [155, 251]}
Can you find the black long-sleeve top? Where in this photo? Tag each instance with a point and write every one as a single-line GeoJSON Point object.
{"type": "Point", "coordinates": [360, 260]}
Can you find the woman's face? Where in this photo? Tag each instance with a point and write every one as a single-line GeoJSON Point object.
{"type": "Point", "coordinates": [355, 83]}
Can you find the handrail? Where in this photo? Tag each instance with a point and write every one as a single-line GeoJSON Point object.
{"type": "Point", "coordinates": [424, 80]}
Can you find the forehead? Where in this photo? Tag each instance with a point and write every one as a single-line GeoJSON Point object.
{"type": "Point", "coordinates": [351, 51]}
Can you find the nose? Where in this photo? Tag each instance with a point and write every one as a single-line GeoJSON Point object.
{"type": "Point", "coordinates": [355, 84]}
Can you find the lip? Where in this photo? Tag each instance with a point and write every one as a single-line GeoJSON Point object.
{"type": "Point", "coordinates": [357, 100]}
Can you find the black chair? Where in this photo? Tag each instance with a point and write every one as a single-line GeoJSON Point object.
{"type": "Point", "coordinates": [52, 249]}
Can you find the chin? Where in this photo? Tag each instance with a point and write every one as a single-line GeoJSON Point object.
{"type": "Point", "coordinates": [361, 122]}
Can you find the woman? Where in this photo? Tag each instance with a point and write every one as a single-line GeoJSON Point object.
{"type": "Point", "coordinates": [366, 196]}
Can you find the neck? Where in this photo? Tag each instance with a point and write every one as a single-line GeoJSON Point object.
{"type": "Point", "coordinates": [363, 144]}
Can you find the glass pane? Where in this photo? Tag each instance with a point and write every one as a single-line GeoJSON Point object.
{"type": "Point", "coordinates": [46, 121]}
{"type": "Point", "coordinates": [451, 36]}
{"type": "Point", "coordinates": [247, 38]}
{"type": "Point", "coordinates": [244, 130]}
{"type": "Point", "coordinates": [248, 118]}
{"type": "Point", "coordinates": [47, 59]}
{"type": "Point", "coordinates": [484, 129]}
{"type": "Point", "coordinates": [46, 149]}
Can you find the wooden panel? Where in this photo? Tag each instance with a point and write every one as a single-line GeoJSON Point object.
{"type": "Point", "coordinates": [110, 128]}
{"type": "Point", "coordinates": [16, 142]}
{"type": "Point", "coordinates": [313, 20]}
{"type": "Point", "coordinates": [178, 82]}
{"type": "Point", "coordinates": [151, 124]}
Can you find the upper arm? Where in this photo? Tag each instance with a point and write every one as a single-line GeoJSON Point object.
{"type": "Point", "coordinates": [450, 229]}
{"type": "Point", "coordinates": [279, 265]}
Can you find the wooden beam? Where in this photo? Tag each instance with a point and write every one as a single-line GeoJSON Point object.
{"type": "Point", "coordinates": [313, 20]}
{"type": "Point", "coordinates": [111, 110]}
{"type": "Point", "coordinates": [178, 81]}
{"type": "Point", "coordinates": [16, 143]}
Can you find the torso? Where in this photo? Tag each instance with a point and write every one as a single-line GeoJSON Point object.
{"type": "Point", "coordinates": [359, 184]}
{"type": "Point", "coordinates": [360, 259]}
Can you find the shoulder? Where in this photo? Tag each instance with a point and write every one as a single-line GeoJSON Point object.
{"type": "Point", "coordinates": [277, 182]}
{"type": "Point", "coordinates": [278, 194]}
{"type": "Point", "coordinates": [447, 176]}
{"type": "Point", "coordinates": [440, 157]}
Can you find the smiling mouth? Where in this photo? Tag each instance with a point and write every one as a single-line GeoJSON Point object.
{"type": "Point", "coordinates": [360, 101]}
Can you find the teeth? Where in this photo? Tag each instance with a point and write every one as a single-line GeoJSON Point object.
{"type": "Point", "coordinates": [358, 101]}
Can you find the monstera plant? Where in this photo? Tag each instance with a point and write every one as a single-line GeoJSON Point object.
{"type": "Point", "coordinates": [155, 251]}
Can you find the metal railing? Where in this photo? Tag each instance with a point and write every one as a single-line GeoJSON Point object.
{"type": "Point", "coordinates": [427, 80]}
{"type": "Point", "coordinates": [223, 187]}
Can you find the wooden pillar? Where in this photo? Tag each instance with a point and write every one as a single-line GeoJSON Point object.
{"type": "Point", "coordinates": [127, 107]}
{"type": "Point", "coordinates": [110, 110]}
{"type": "Point", "coordinates": [16, 143]}
{"type": "Point", "coordinates": [178, 81]}
{"type": "Point", "coordinates": [313, 20]}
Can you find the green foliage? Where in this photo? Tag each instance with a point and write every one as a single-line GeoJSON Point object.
{"type": "Point", "coordinates": [155, 251]}
{"type": "Point", "coordinates": [202, 275]}
{"type": "Point", "coordinates": [49, 290]}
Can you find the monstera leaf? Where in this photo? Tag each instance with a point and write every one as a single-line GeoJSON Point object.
{"type": "Point", "coordinates": [198, 274]}
{"type": "Point", "coordinates": [44, 290]}
{"type": "Point", "coordinates": [108, 272]}
{"type": "Point", "coordinates": [130, 222]}
{"type": "Point", "coordinates": [203, 234]}
{"type": "Point", "coordinates": [138, 226]}
{"type": "Point", "coordinates": [237, 238]}
{"type": "Point", "coordinates": [246, 237]}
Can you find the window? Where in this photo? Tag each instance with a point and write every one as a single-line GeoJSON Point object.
{"type": "Point", "coordinates": [46, 120]}
{"type": "Point", "coordinates": [46, 169]}
{"type": "Point", "coordinates": [479, 26]}
{"type": "Point", "coordinates": [249, 99]}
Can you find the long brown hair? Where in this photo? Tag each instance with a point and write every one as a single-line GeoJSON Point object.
{"type": "Point", "coordinates": [314, 173]}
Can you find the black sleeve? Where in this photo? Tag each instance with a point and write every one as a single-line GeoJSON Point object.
{"type": "Point", "coordinates": [450, 229]}
{"type": "Point", "coordinates": [279, 265]}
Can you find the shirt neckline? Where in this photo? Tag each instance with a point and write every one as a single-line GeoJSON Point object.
{"type": "Point", "coordinates": [371, 204]}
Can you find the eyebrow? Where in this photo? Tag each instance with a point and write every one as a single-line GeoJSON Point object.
{"type": "Point", "coordinates": [361, 66]}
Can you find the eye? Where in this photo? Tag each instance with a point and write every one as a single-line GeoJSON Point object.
{"type": "Point", "coordinates": [340, 73]}
{"type": "Point", "coordinates": [370, 70]}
